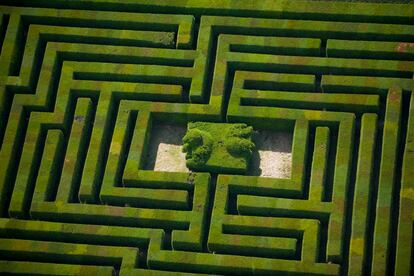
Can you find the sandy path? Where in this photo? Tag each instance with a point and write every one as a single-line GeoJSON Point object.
{"type": "Point", "coordinates": [164, 152]}
{"type": "Point", "coordinates": [273, 157]}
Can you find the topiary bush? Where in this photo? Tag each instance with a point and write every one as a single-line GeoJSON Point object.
{"type": "Point", "coordinates": [218, 147]}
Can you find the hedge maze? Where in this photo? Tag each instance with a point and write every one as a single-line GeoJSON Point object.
{"type": "Point", "coordinates": [84, 83]}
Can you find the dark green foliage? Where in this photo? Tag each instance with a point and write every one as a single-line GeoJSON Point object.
{"type": "Point", "coordinates": [217, 147]}
{"type": "Point", "coordinates": [198, 145]}
{"type": "Point", "coordinates": [239, 146]}
{"type": "Point", "coordinates": [238, 140]}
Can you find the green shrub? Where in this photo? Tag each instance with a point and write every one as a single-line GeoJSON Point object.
{"type": "Point", "coordinates": [218, 147]}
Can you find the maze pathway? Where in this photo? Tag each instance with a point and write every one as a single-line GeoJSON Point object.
{"type": "Point", "coordinates": [83, 84]}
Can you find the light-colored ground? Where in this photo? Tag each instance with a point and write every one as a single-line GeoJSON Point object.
{"type": "Point", "coordinates": [164, 152]}
{"type": "Point", "coordinates": [273, 157]}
